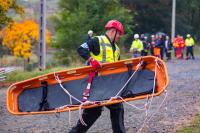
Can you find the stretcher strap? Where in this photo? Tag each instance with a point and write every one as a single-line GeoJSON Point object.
{"type": "Point", "coordinates": [44, 105]}
{"type": "Point", "coordinates": [86, 94]}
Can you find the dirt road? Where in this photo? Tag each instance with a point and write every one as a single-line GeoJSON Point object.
{"type": "Point", "coordinates": [181, 105]}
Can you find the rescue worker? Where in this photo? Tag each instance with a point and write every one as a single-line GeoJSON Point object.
{"type": "Point", "coordinates": [152, 44]}
{"type": "Point", "coordinates": [90, 35]}
{"type": "Point", "coordinates": [168, 48]}
{"type": "Point", "coordinates": [157, 49]}
{"type": "Point", "coordinates": [146, 46]}
{"type": "Point", "coordinates": [101, 49]}
{"type": "Point", "coordinates": [189, 42]}
{"type": "Point", "coordinates": [179, 45]}
{"type": "Point", "coordinates": [136, 46]}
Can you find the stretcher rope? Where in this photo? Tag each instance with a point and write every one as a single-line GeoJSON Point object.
{"type": "Point", "coordinates": [146, 120]}
{"type": "Point", "coordinates": [134, 106]}
{"type": "Point", "coordinates": [65, 90]}
{"type": "Point", "coordinates": [93, 102]}
{"type": "Point", "coordinates": [69, 117]}
{"type": "Point", "coordinates": [146, 107]}
{"type": "Point", "coordinates": [71, 96]}
{"type": "Point", "coordinates": [151, 99]}
{"type": "Point", "coordinates": [137, 68]}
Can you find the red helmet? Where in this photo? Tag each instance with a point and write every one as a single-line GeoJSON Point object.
{"type": "Point", "coordinates": [115, 24]}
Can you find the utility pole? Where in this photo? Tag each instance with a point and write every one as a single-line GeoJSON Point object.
{"type": "Point", "coordinates": [173, 30]}
{"type": "Point", "coordinates": [42, 35]}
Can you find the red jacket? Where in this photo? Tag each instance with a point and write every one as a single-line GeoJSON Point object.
{"type": "Point", "coordinates": [179, 42]}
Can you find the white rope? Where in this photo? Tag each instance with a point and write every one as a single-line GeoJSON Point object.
{"type": "Point", "coordinates": [62, 107]}
{"type": "Point", "coordinates": [65, 90]}
{"type": "Point", "coordinates": [137, 67]}
{"type": "Point", "coordinates": [159, 106]}
{"type": "Point", "coordinates": [154, 85]}
{"type": "Point", "coordinates": [152, 96]}
{"type": "Point", "coordinates": [151, 99]}
{"type": "Point", "coordinates": [81, 112]}
{"type": "Point", "coordinates": [146, 119]}
{"type": "Point", "coordinates": [146, 106]}
{"type": "Point", "coordinates": [132, 105]}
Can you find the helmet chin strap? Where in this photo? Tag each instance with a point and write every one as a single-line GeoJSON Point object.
{"type": "Point", "coordinates": [113, 42]}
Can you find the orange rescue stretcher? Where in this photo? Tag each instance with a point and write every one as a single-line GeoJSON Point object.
{"type": "Point", "coordinates": [130, 79]}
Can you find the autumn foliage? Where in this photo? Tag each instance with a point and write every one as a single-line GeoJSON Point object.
{"type": "Point", "coordinates": [21, 37]}
{"type": "Point", "coordinates": [5, 6]}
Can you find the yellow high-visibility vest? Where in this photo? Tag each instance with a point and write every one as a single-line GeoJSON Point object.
{"type": "Point", "coordinates": [189, 41]}
{"type": "Point", "coordinates": [137, 44]}
{"type": "Point", "coordinates": [106, 52]}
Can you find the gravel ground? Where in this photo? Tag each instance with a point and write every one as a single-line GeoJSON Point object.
{"type": "Point", "coordinates": [180, 107]}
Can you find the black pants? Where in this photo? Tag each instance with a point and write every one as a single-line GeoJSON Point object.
{"type": "Point", "coordinates": [162, 50]}
{"type": "Point", "coordinates": [91, 115]}
{"type": "Point", "coordinates": [189, 50]}
{"type": "Point", "coordinates": [144, 53]}
{"type": "Point", "coordinates": [168, 54]}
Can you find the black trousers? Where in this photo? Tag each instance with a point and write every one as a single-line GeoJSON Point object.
{"type": "Point", "coordinates": [91, 115]}
{"type": "Point", "coordinates": [168, 54]}
{"type": "Point", "coordinates": [162, 50]}
{"type": "Point", "coordinates": [144, 53]}
{"type": "Point", "coordinates": [189, 50]}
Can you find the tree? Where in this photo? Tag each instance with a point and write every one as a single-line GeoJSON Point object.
{"type": "Point", "coordinates": [151, 15]}
{"type": "Point", "coordinates": [20, 37]}
{"type": "Point", "coordinates": [188, 17]}
{"type": "Point", "coordinates": [5, 6]}
{"type": "Point", "coordinates": [155, 15]}
{"type": "Point", "coordinates": [76, 17]}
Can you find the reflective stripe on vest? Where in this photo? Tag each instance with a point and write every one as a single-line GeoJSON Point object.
{"type": "Point", "coordinates": [103, 50]}
{"type": "Point", "coordinates": [106, 52]}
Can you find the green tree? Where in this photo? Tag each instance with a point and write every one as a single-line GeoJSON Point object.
{"type": "Point", "coordinates": [188, 12]}
{"type": "Point", "coordinates": [155, 15]}
{"type": "Point", "coordinates": [76, 17]}
{"type": "Point", "coordinates": [151, 15]}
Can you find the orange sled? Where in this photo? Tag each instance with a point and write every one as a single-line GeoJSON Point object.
{"type": "Point", "coordinates": [62, 91]}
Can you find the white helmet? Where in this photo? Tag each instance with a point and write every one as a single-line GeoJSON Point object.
{"type": "Point", "coordinates": [188, 35]}
{"type": "Point", "coordinates": [136, 36]}
{"type": "Point", "coordinates": [90, 32]}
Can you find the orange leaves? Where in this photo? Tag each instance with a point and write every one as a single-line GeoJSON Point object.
{"type": "Point", "coordinates": [20, 37]}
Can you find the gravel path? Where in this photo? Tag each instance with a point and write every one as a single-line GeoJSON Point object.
{"type": "Point", "coordinates": [181, 105]}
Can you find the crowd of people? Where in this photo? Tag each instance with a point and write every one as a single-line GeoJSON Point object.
{"type": "Point", "coordinates": [160, 45]}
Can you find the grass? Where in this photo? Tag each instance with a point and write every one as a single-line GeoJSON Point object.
{"type": "Point", "coordinates": [23, 75]}
{"type": "Point", "coordinates": [194, 127]}
{"type": "Point", "coordinates": [197, 50]}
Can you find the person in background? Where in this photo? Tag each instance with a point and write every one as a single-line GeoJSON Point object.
{"type": "Point", "coordinates": [136, 46]}
{"type": "Point", "coordinates": [189, 42]}
{"type": "Point", "coordinates": [178, 44]}
{"type": "Point", "coordinates": [168, 48]}
{"type": "Point", "coordinates": [152, 44]}
{"type": "Point", "coordinates": [156, 49]}
{"type": "Point", "coordinates": [161, 45]}
{"type": "Point", "coordinates": [102, 49]}
{"type": "Point", "coordinates": [146, 46]}
{"type": "Point", "coordinates": [182, 45]}
{"type": "Point", "coordinates": [90, 35]}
